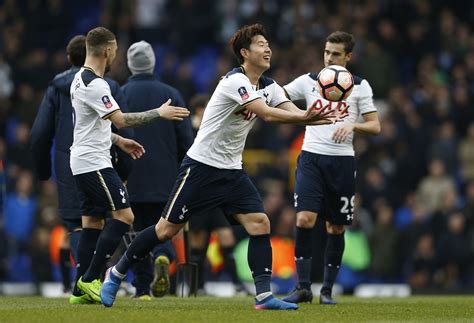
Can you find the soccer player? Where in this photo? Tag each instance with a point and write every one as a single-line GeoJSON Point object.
{"type": "Point", "coordinates": [99, 186]}
{"type": "Point", "coordinates": [325, 174]}
{"type": "Point", "coordinates": [53, 123]}
{"type": "Point", "coordinates": [153, 176]}
{"type": "Point", "coordinates": [211, 174]}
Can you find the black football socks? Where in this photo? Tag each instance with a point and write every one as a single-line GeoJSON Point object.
{"type": "Point", "coordinates": [106, 245]}
{"type": "Point", "coordinates": [332, 260]}
{"type": "Point", "coordinates": [229, 264]}
{"type": "Point", "coordinates": [198, 256]}
{"type": "Point", "coordinates": [85, 251]}
{"type": "Point", "coordinates": [65, 267]}
{"type": "Point", "coordinates": [303, 253]}
{"type": "Point", "coordinates": [74, 238]}
{"type": "Point", "coordinates": [260, 263]}
{"type": "Point", "coordinates": [138, 249]}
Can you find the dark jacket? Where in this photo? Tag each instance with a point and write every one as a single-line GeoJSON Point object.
{"type": "Point", "coordinates": [53, 127]}
{"type": "Point", "coordinates": [166, 142]}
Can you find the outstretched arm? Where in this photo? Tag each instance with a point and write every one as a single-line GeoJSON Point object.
{"type": "Point", "coordinates": [136, 119]}
{"type": "Point", "coordinates": [288, 113]}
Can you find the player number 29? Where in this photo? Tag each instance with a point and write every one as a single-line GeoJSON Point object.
{"type": "Point", "coordinates": [347, 202]}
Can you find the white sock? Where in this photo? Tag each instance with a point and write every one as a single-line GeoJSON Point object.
{"type": "Point", "coordinates": [117, 274]}
{"type": "Point", "coordinates": [262, 296]}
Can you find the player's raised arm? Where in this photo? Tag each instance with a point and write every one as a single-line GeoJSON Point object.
{"type": "Point", "coordinates": [136, 119]}
{"type": "Point", "coordinates": [269, 114]}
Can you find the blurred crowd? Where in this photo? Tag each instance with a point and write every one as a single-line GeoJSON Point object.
{"type": "Point", "coordinates": [415, 181]}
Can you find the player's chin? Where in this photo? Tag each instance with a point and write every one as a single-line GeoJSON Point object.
{"type": "Point", "coordinates": [266, 64]}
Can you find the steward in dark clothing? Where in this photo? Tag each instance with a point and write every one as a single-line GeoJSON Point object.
{"type": "Point", "coordinates": [152, 177]}
{"type": "Point", "coordinates": [166, 142]}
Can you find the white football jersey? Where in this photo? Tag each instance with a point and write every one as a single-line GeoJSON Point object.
{"type": "Point", "coordinates": [226, 122]}
{"type": "Point", "coordinates": [318, 139]}
{"type": "Point", "coordinates": [92, 104]}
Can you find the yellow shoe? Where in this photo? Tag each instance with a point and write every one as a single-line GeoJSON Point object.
{"type": "Point", "coordinates": [161, 283]}
{"type": "Point", "coordinates": [92, 289]}
{"type": "Point", "coordinates": [78, 300]}
{"type": "Point", "coordinates": [143, 297]}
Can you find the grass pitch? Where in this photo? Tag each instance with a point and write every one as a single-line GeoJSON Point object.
{"type": "Point", "coordinates": [237, 309]}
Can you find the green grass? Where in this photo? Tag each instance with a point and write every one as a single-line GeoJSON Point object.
{"type": "Point", "coordinates": [237, 309]}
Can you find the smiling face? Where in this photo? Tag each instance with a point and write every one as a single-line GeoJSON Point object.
{"type": "Point", "coordinates": [259, 53]}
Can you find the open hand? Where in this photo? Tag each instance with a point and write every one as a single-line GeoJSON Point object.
{"type": "Point", "coordinates": [170, 112]}
{"type": "Point", "coordinates": [131, 147]}
{"type": "Point", "coordinates": [326, 115]}
{"type": "Point", "coordinates": [341, 133]}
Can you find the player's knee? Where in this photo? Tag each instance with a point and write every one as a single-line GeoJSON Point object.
{"type": "Point", "coordinates": [197, 239]}
{"type": "Point", "coordinates": [125, 215]}
{"type": "Point", "coordinates": [90, 222]}
{"type": "Point", "coordinates": [226, 237]}
{"type": "Point", "coordinates": [165, 231]}
{"type": "Point", "coordinates": [334, 228]}
{"type": "Point", "coordinates": [260, 224]}
{"type": "Point", "coordinates": [306, 220]}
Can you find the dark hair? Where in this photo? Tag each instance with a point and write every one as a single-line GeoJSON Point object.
{"type": "Point", "coordinates": [341, 37]}
{"type": "Point", "coordinates": [243, 38]}
{"type": "Point", "coordinates": [76, 50]}
{"type": "Point", "coordinates": [97, 39]}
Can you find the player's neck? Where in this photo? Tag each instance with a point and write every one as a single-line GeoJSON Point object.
{"type": "Point", "coordinates": [252, 73]}
{"type": "Point", "coordinates": [96, 65]}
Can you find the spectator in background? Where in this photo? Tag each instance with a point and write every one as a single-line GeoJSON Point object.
{"type": "Point", "coordinates": [41, 267]}
{"type": "Point", "coordinates": [384, 243]}
{"type": "Point", "coordinates": [374, 188]}
{"type": "Point", "coordinates": [356, 259]}
{"type": "Point", "coordinates": [434, 185]}
{"type": "Point", "coordinates": [422, 265]}
{"type": "Point", "coordinates": [444, 147]}
{"type": "Point", "coordinates": [6, 84]}
{"type": "Point", "coordinates": [18, 154]}
{"type": "Point", "coordinates": [466, 154]}
{"type": "Point", "coordinates": [152, 177]}
{"type": "Point", "coordinates": [454, 253]}
{"type": "Point", "coordinates": [20, 211]}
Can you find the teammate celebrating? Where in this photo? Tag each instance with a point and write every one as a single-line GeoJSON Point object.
{"type": "Point", "coordinates": [211, 174]}
{"type": "Point", "coordinates": [325, 175]}
{"type": "Point", "coordinates": [53, 124]}
{"type": "Point", "coordinates": [98, 183]}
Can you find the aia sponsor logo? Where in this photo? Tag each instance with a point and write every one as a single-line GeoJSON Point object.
{"type": "Point", "coordinates": [243, 93]}
{"type": "Point", "coordinates": [106, 101]}
{"type": "Point", "coordinates": [318, 104]}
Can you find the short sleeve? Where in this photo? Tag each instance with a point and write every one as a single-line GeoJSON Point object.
{"type": "Point", "coordinates": [100, 98]}
{"type": "Point", "coordinates": [295, 89]}
{"type": "Point", "coordinates": [365, 101]}
{"type": "Point", "coordinates": [237, 88]}
{"type": "Point", "coordinates": [278, 96]}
